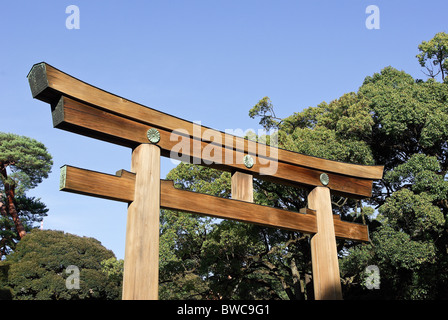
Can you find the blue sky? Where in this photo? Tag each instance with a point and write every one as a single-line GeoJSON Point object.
{"type": "Point", "coordinates": [207, 61]}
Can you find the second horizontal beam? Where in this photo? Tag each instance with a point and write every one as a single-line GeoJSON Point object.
{"type": "Point", "coordinates": [120, 187]}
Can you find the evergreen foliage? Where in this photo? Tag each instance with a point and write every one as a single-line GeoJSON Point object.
{"type": "Point", "coordinates": [393, 120]}
{"type": "Point", "coordinates": [39, 268]}
{"type": "Point", "coordinates": [24, 163]}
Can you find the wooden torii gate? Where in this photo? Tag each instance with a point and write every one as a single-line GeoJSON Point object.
{"type": "Point", "coordinates": [84, 109]}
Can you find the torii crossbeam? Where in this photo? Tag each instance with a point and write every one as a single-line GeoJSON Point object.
{"type": "Point", "coordinates": [84, 109]}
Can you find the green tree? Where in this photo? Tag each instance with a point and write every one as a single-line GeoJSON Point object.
{"type": "Point", "coordinates": [39, 268]}
{"type": "Point", "coordinates": [24, 163]}
{"type": "Point", "coordinates": [434, 53]}
{"type": "Point", "coordinates": [204, 258]}
{"type": "Point", "coordinates": [401, 123]}
{"type": "Point", "coordinates": [113, 268]}
{"type": "Point", "coordinates": [393, 120]}
{"type": "Point", "coordinates": [410, 137]}
{"type": "Point", "coordinates": [265, 110]}
{"type": "Point", "coordinates": [183, 235]}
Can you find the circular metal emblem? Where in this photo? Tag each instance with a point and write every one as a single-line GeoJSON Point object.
{"type": "Point", "coordinates": [324, 179]}
{"type": "Point", "coordinates": [248, 161]}
{"type": "Point", "coordinates": [153, 135]}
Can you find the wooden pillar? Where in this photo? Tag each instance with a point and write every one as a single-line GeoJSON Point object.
{"type": "Point", "coordinates": [141, 262]}
{"type": "Point", "coordinates": [326, 278]}
{"type": "Point", "coordinates": [242, 186]}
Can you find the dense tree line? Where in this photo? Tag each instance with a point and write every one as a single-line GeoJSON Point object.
{"type": "Point", "coordinates": [393, 120]}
